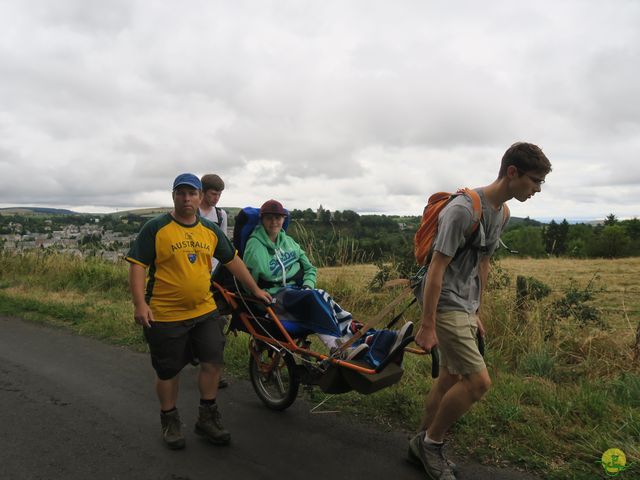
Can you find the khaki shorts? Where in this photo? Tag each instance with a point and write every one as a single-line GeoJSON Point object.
{"type": "Point", "coordinates": [457, 342]}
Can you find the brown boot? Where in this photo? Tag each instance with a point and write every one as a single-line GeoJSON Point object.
{"type": "Point", "coordinates": [171, 429]}
{"type": "Point", "coordinates": [209, 425]}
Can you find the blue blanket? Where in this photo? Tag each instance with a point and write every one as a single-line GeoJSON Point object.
{"type": "Point", "coordinates": [313, 308]}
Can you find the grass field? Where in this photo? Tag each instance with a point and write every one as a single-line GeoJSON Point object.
{"type": "Point", "coordinates": [617, 279]}
{"type": "Point", "coordinates": [564, 390]}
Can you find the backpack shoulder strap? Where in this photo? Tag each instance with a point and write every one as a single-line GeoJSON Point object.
{"type": "Point", "coordinates": [219, 215]}
{"type": "Point", "coordinates": [476, 205]}
{"type": "Point", "coordinates": [506, 213]}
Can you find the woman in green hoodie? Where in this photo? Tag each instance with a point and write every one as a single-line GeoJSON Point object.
{"type": "Point", "coordinates": [280, 266]}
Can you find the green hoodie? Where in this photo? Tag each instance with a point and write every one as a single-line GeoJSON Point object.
{"type": "Point", "coordinates": [269, 262]}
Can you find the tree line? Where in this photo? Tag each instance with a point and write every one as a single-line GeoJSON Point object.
{"type": "Point", "coordinates": [345, 236]}
{"type": "Point", "coordinates": [382, 237]}
{"type": "Point", "coordinates": [613, 238]}
{"type": "Point", "coordinates": [374, 238]}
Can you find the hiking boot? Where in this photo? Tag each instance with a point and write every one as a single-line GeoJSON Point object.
{"type": "Point", "coordinates": [404, 333]}
{"type": "Point", "coordinates": [431, 458]}
{"type": "Point", "coordinates": [171, 429]}
{"type": "Point", "coordinates": [451, 464]}
{"type": "Point", "coordinates": [209, 425]}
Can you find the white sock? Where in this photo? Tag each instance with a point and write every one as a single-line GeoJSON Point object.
{"type": "Point", "coordinates": [429, 441]}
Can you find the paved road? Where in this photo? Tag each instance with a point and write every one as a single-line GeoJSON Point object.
{"type": "Point", "coordinates": [75, 408]}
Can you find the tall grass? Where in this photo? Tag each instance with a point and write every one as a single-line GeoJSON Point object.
{"type": "Point", "coordinates": [89, 296]}
{"type": "Point", "coordinates": [563, 391]}
{"type": "Point", "coordinates": [57, 272]}
{"type": "Point", "coordinates": [337, 250]}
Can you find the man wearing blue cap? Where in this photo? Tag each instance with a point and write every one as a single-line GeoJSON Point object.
{"type": "Point", "coordinates": [177, 309]}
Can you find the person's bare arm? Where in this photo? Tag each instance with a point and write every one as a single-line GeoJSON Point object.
{"type": "Point", "coordinates": [240, 271]}
{"type": "Point", "coordinates": [142, 313]}
{"type": "Point", "coordinates": [484, 267]}
{"type": "Point", "coordinates": [426, 336]}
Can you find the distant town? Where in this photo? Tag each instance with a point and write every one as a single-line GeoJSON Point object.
{"type": "Point", "coordinates": [107, 236]}
{"type": "Point", "coordinates": [326, 235]}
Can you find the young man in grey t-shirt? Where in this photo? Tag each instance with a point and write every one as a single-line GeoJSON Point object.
{"type": "Point", "coordinates": [451, 296]}
{"type": "Point", "coordinates": [212, 187]}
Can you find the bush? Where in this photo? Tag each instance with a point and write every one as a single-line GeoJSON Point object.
{"type": "Point", "coordinates": [530, 288]}
{"type": "Point", "coordinates": [575, 304]}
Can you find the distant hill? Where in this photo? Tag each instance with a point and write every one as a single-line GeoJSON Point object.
{"type": "Point", "coordinates": [514, 221]}
{"type": "Point", "coordinates": [142, 212]}
{"type": "Point", "coordinates": [148, 212]}
{"type": "Point", "coordinates": [233, 211]}
{"type": "Point", "coordinates": [36, 210]}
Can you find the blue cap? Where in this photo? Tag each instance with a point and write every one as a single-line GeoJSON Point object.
{"type": "Point", "coordinates": [187, 179]}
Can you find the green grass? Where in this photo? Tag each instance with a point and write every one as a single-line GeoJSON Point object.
{"type": "Point", "coordinates": [88, 316]}
{"type": "Point", "coordinates": [540, 363]}
{"type": "Point", "coordinates": [562, 392]}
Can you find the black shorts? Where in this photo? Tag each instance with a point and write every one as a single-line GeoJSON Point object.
{"type": "Point", "coordinates": [174, 344]}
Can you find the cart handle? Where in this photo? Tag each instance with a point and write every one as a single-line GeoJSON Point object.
{"type": "Point", "coordinates": [435, 359]}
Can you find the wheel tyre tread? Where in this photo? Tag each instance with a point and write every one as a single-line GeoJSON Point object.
{"type": "Point", "coordinates": [294, 383]}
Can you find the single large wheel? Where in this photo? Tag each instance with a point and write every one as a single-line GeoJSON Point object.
{"type": "Point", "coordinates": [273, 375]}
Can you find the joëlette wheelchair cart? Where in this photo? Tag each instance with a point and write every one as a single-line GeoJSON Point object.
{"type": "Point", "coordinates": [281, 357]}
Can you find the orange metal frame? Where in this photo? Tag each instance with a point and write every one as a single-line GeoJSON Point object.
{"type": "Point", "coordinates": [289, 343]}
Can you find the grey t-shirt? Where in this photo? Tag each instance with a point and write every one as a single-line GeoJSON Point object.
{"type": "Point", "coordinates": [222, 223]}
{"type": "Point", "coordinates": [461, 283]}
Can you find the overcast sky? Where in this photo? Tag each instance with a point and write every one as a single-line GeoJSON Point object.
{"type": "Point", "coordinates": [362, 105]}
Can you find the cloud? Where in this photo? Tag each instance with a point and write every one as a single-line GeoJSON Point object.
{"type": "Point", "coordinates": [362, 105]}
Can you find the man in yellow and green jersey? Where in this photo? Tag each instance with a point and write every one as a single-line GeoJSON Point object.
{"type": "Point", "coordinates": [177, 309]}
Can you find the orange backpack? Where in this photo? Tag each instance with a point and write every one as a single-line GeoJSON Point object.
{"type": "Point", "coordinates": [426, 233]}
